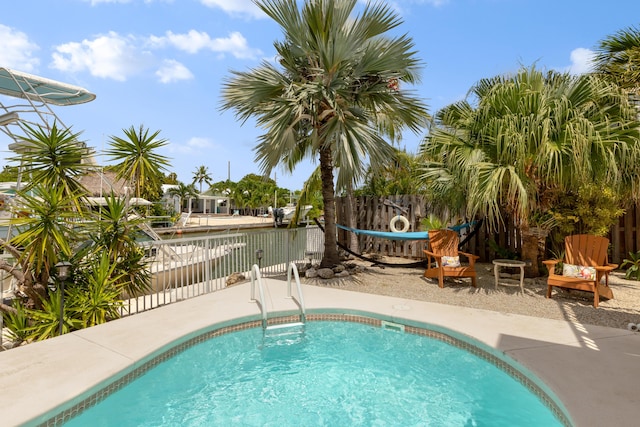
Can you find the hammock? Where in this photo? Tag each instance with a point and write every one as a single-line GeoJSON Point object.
{"type": "Point", "coordinates": [409, 235]}
{"type": "Point", "coordinates": [415, 235]}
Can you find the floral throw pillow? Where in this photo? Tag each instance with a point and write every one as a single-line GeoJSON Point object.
{"type": "Point", "coordinates": [451, 261]}
{"type": "Point", "coordinates": [581, 271]}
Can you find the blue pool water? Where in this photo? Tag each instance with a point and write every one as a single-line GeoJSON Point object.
{"type": "Point", "coordinates": [335, 374]}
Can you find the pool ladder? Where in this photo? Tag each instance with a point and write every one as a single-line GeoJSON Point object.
{"type": "Point", "coordinates": [256, 279]}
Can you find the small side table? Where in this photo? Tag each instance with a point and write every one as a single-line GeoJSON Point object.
{"type": "Point", "coordinates": [511, 263]}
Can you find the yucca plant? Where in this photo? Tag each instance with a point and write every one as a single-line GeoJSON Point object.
{"type": "Point", "coordinates": [17, 323]}
{"type": "Point", "coordinates": [633, 271]}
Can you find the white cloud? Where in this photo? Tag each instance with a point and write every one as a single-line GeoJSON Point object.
{"type": "Point", "coordinates": [581, 61]}
{"type": "Point", "coordinates": [109, 56]}
{"type": "Point", "coordinates": [194, 145]}
{"type": "Point", "coordinates": [195, 41]}
{"type": "Point", "coordinates": [16, 51]}
{"type": "Point", "coordinates": [172, 71]}
{"type": "Point", "coordinates": [236, 7]}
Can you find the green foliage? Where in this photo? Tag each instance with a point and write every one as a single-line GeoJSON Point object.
{"type": "Point", "coordinates": [54, 158]}
{"type": "Point", "coordinates": [138, 160]}
{"type": "Point", "coordinates": [97, 298]}
{"type": "Point", "coordinates": [501, 252]}
{"type": "Point", "coordinates": [45, 323]}
{"type": "Point", "coordinates": [532, 140]}
{"type": "Point", "coordinates": [433, 222]}
{"type": "Point", "coordinates": [333, 95]}
{"type": "Point", "coordinates": [184, 192]}
{"type": "Point", "coordinates": [590, 210]}
{"type": "Point", "coordinates": [633, 263]}
{"type": "Point", "coordinates": [617, 58]}
{"type": "Point", "coordinates": [46, 236]}
{"type": "Point", "coordinates": [17, 323]}
{"type": "Point", "coordinates": [113, 235]}
{"type": "Point", "coordinates": [396, 175]}
{"type": "Point", "coordinates": [9, 174]}
{"type": "Point", "coordinates": [200, 175]}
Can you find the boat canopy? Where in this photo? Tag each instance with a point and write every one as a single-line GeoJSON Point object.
{"type": "Point", "coordinates": [18, 84]}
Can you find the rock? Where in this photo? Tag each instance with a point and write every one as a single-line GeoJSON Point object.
{"type": "Point", "coordinates": [339, 268]}
{"type": "Point", "coordinates": [235, 278]}
{"type": "Point", "coordinates": [343, 273]}
{"type": "Point", "coordinates": [311, 273]}
{"type": "Point", "coordinates": [326, 273]}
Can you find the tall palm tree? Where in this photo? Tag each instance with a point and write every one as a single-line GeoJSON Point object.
{"type": "Point", "coordinates": [338, 78]}
{"type": "Point", "coordinates": [200, 175]}
{"type": "Point", "coordinates": [618, 58]}
{"type": "Point", "coordinates": [532, 139]}
{"type": "Point", "coordinates": [140, 164]}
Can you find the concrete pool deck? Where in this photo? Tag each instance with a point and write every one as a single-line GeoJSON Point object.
{"type": "Point", "coordinates": [595, 371]}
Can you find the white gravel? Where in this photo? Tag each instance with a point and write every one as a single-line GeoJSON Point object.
{"type": "Point", "coordinates": [565, 305]}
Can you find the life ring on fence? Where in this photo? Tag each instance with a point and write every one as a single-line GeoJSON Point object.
{"type": "Point", "coordinates": [403, 220]}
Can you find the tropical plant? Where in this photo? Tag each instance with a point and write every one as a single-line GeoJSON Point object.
{"type": "Point", "coordinates": [139, 163]}
{"type": "Point", "coordinates": [114, 236]}
{"type": "Point", "coordinates": [502, 252]}
{"type": "Point", "coordinates": [44, 238]}
{"type": "Point", "coordinates": [53, 157]}
{"type": "Point", "coordinates": [397, 175]}
{"type": "Point", "coordinates": [633, 266]}
{"type": "Point", "coordinates": [17, 323]}
{"type": "Point", "coordinates": [45, 322]}
{"type": "Point", "coordinates": [433, 222]}
{"type": "Point", "coordinates": [9, 173]}
{"type": "Point", "coordinates": [200, 175]}
{"type": "Point", "coordinates": [532, 139]}
{"type": "Point", "coordinates": [54, 224]}
{"type": "Point", "coordinates": [255, 191]}
{"type": "Point", "coordinates": [618, 58]}
{"type": "Point", "coordinates": [98, 299]}
{"type": "Point", "coordinates": [337, 84]}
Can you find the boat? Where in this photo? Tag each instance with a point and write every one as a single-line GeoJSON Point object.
{"type": "Point", "coordinates": [177, 265]}
{"type": "Point", "coordinates": [284, 215]}
{"type": "Point", "coordinates": [182, 262]}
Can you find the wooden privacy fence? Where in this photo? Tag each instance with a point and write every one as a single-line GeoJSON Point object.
{"type": "Point", "coordinates": [372, 213]}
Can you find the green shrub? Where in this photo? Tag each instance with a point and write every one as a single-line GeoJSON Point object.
{"type": "Point", "coordinates": [633, 272]}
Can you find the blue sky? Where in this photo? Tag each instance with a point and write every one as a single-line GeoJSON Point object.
{"type": "Point", "coordinates": [161, 63]}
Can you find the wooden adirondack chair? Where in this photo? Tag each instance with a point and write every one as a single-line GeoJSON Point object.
{"type": "Point", "coordinates": [443, 248]}
{"type": "Point", "coordinates": [583, 250]}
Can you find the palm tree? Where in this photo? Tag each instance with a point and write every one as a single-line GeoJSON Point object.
{"type": "Point", "coordinates": [200, 175]}
{"type": "Point", "coordinates": [532, 140]}
{"type": "Point", "coordinates": [53, 158]}
{"type": "Point", "coordinates": [336, 85]}
{"type": "Point", "coordinates": [140, 164]}
{"type": "Point", "coordinates": [618, 58]}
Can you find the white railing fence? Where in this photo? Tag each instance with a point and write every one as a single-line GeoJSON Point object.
{"type": "Point", "coordinates": [191, 266]}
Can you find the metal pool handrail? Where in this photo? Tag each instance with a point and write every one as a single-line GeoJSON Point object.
{"type": "Point", "coordinates": [255, 276]}
{"type": "Point", "coordinates": [294, 269]}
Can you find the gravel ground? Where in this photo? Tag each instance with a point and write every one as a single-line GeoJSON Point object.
{"type": "Point", "coordinates": [565, 305]}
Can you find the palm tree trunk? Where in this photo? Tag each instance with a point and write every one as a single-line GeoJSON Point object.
{"type": "Point", "coordinates": [533, 244]}
{"type": "Point", "coordinates": [330, 258]}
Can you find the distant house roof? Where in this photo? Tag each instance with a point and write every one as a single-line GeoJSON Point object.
{"type": "Point", "coordinates": [103, 183]}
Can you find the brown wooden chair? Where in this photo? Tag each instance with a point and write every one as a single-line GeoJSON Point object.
{"type": "Point", "coordinates": [444, 243]}
{"type": "Point", "coordinates": [583, 250]}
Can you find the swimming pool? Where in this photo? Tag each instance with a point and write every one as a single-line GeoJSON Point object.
{"type": "Point", "coordinates": [333, 373]}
